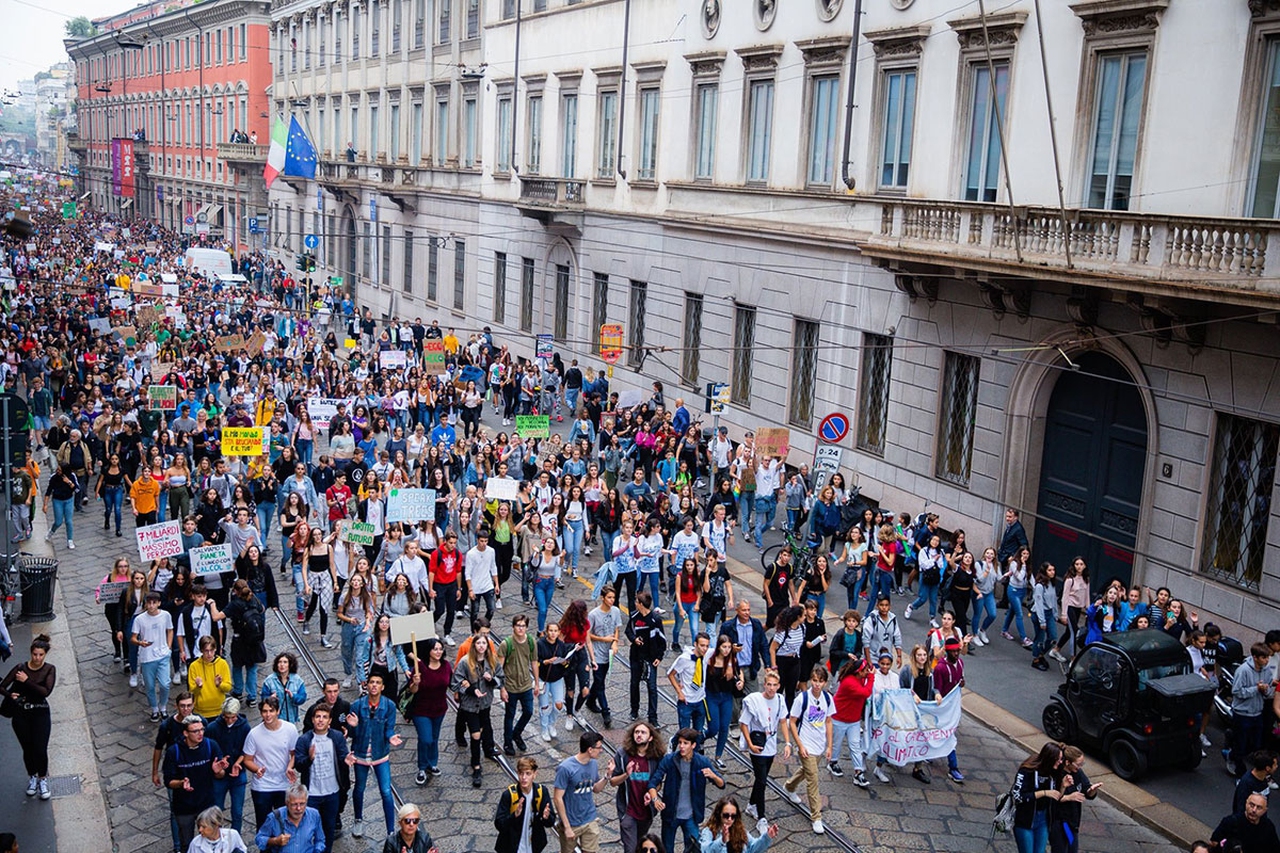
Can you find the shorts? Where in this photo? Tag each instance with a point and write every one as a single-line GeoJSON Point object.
{"type": "Point", "coordinates": [39, 422]}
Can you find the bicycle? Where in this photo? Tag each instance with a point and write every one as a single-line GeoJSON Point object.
{"type": "Point", "coordinates": [802, 554]}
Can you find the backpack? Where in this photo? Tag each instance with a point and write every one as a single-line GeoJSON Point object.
{"type": "Point", "coordinates": [253, 625]}
{"type": "Point", "coordinates": [1005, 808]}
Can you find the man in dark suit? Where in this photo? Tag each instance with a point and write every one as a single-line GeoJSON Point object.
{"type": "Point", "coordinates": [1014, 539]}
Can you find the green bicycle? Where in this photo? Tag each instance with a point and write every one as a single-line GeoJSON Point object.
{"type": "Point", "coordinates": [802, 555]}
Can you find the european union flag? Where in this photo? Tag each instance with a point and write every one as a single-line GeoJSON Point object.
{"type": "Point", "coordinates": [299, 153]}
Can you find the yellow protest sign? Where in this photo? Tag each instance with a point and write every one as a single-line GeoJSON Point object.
{"type": "Point", "coordinates": [242, 441]}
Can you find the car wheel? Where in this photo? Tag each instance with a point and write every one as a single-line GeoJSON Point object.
{"type": "Point", "coordinates": [1194, 757]}
{"type": "Point", "coordinates": [1127, 762]}
{"type": "Point", "coordinates": [1057, 723]}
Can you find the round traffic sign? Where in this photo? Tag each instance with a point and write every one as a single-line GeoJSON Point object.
{"type": "Point", "coordinates": [190, 220]}
{"type": "Point", "coordinates": [834, 428]}
{"type": "Point", "coordinates": [311, 241]}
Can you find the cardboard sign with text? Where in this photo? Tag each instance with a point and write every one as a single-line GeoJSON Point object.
{"type": "Point", "coordinates": [230, 344]}
{"type": "Point", "coordinates": [255, 342]}
{"type": "Point", "coordinates": [159, 540]}
{"type": "Point", "coordinates": [533, 426]}
{"type": "Point", "coordinates": [212, 559]}
{"type": "Point", "coordinates": [773, 441]}
{"type": "Point", "coordinates": [411, 504]}
{"type": "Point", "coordinates": [433, 357]}
{"type": "Point", "coordinates": [358, 533]}
{"type": "Point", "coordinates": [501, 488]}
{"type": "Point", "coordinates": [163, 397]}
{"type": "Point", "coordinates": [242, 441]}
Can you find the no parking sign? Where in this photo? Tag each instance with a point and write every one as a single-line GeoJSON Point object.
{"type": "Point", "coordinates": [834, 428]}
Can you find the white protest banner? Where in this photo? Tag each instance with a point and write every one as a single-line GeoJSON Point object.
{"type": "Point", "coordinates": [159, 540]}
{"type": "Point", "coordinates": [501, 488]}
{"type": "Point", "coordinates": [100, 325]}
{"type": "Point", "coordinates": [120, 303]}
{"type": "Point", "coordinates": [393, 358]}
{"type": "Point", "coordinates": [905, 732]}
{"type": "Point", "coordinates": [358, 533]}
{"type": "Point", "coordinates": [630, 398]}
{"type": "Point", "coordinates": [111, 591]}
{"type": "Point", "coordinates": [419, 625]}
{"type": "Point", "coordinates": [212, 559]}
{"type": "Point", "coordinates": [411, 504]}
{"type": "Point", "coordinates": [322, 410]}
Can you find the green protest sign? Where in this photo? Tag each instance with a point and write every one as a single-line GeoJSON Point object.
{"type": "Point", "coordinates": [533, 426]}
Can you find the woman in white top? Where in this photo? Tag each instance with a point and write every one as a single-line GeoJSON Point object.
{"type": "Point", "coordinates": [761, 721]}
{"type": "Point", "coordinates": [1017, 575]}
{"type": "Point", "coordinates": [649, 552]}
{"type": "Point", "coordinates": [575, 525]}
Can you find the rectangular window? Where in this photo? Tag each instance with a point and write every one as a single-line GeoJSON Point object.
{"type": "Point", "coordinates": [446, 10]}
{"type": "Point", "coordinates": [804, 372]}
{"type": "Point", "coordinates": [356, 23]}
{"type": "Point", "coordinates": [217, 46]}
{"type": "Point", "coordinates": [375, 28]}
{"type": "Point", "coordinates": [1242, 479]}
{"type": "Point", "coordinates": [337, 127]}
{"type": "Point", "coordinates": [708, 103]}
{"type": "Point", "coordinates": [375, 147]}
{"type": "Point", "coordinates": [469, 132]}
{"type": "Point", "coordinates": [691, 360]}
{"type": "Point", "coordinates": [340, 36]}
{"type": "Point", "coordinates": [442, 132]}
{"type": "Point", "coordinates": [539, 5]}
{"type": "Point", "coordinates": [355, 121]}
{"type": "Point", "coordinates": [366, 266]}
{"type": "Point", "coordinates": [599, 307]}
{"type": "Point", "coordinates": [560, 325]}
{"type": "Point", "coordinates": [433, 269]}
{"type": "Point", "coordinates": [473, 19]}
{"type": "Point", "coordinates": [744, 344]}
{"type": "Point", "coordinates": [419, 22]}
{"type": "Point", "coordinates": [759, 129]}
{"type": "Point", "coordinates": [958, 409]}
{"type": "Point", "coordinates": [500, 288]}
{"type": "Point", "coordinates": [635, 321]}
{"type": "Point", "coordinates": [415, 135]}
{"type": "Point", "coordinates": [982, 170]}
{"type": "Point", "coordinates": [459, 274]}
{"type": "Point", "coordinates": [873, 401]}
{"type": "Point", "coordinates": [503, 160]}
{"type": "Point", "coordinates": [407, 282]}
{"type": "Point", "coordinates": [569, 135]}
{"type": "Point", "coordinates": [397, 18]}
{"type": "Point", "coordinates": [244, 43]}
{"type": "Point", "coordinates": [899, 124]}
{"type": "Point", "coordinates": [606, 141]}
{"type": "Point", "coordinates": [508, 9]}
{"type": "Point", "coordinates": [386, 256]}
{"type": "Point", "coordinates": [533, 115]}
{"type": "Point", "coordinates": [526, 294]}
{"type": "Point", "coordinates": [1116, 116]}
{"type": "Point", "coordinates": [649, 100]}
{"type": "Point", "coordinates": [823, 120]}
{"type": "Point", "coordinates": [395, 132]}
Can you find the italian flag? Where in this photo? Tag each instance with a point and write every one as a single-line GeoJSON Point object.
{"type": "Point", "coordinates": [275, 155]}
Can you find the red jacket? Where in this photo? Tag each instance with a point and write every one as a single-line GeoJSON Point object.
{"type": "Point", "coordinates": [851, 698]}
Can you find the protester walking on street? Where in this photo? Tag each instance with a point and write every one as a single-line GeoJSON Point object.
{"type": "Point", "coordinates": [524, 813]}
{"type": "Point", "coordinates": [1036, 787]}
{"type": "Point", "coordinates": [26, 691]}
{"type": "Point", "coordinates": [678, 790]}
{"type": "Point", "coordinates": [763, 718]}
{"type": "Point", "coordinates": [726, 832]}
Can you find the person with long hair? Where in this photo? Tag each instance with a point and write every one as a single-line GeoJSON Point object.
{"type": "Point", "coordinates": [248, 644]}
{"type": "Point", "coordinates": [319, 581]}
{"type": "Point", "coordinates": [1075, 600]}
{"type": "Point", "coordinates": [1036, 787]}
{"type": "Point", "coordinates": [383, 657]}
{"type": "Point", "coordinates": [634, 764]}
{"type": "Point", "coordinates": [430, 688]}
{"type": "Point", "coordinates": [111, 607]}
{"type": "Point", "coordinates": [355, 612]}
{"type": "Point", "coordinates": [575, 630]}
{"type": "Point", "coordinates": [726, 832]}
{"type": "Point", "coordinates": [1045, 616]}
{"type": "Point", "coordinates": [785, 649]}
{"type": "Point", "coordinates": [1018, 576]}
{"type": "Point", "coordinates": [552, 665]}
{"type": "Point", "coordinates": [853, 689]}
{"type": "Point", "coordinates": [28, 686]}
{"type": "Point", "coordinates": [475, 680]}
{"type": "Point", "coordinates": [286, 685]}
{"type": "Point", "coordinates": [113, 482]}
{"type": "Point", "coordinates": [986, 574]}
{"type": "Point", "coordinates": [725, 680]}
{"type": "Point", "coordinates": [545, 566]}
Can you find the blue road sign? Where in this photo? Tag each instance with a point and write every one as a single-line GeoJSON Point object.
{"type": "Point", "coordinates": [311, 241]}
{"type": "Point", "coordinates": [253, 225]}
{"type": "Point", "coordinates": [834, 428]}
{"type": "Point", "coordinates": [373, 210]}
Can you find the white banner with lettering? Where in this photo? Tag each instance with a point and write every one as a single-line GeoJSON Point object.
{"type": "Point", "coordinates": [905, 732]}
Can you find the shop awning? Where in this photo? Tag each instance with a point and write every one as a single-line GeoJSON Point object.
{"type": "Point", "coordinates": [214, 212]}
{"type": "Point", "coordinates": [85, 196]}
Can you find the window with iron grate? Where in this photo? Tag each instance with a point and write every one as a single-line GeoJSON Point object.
{"type": "Point", "coordinates": [873, 402]}
{"type": "Point", "coordinates": [959, 405]}
{"type": "Point", "coordinates": [690, 361]}
{"type": "Point", "coordinates": [804, 371]}
{"type": "Point", "coordinates": [1235, 527]}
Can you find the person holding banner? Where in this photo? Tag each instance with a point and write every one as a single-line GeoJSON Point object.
{"type": "Point", "coordinates": [118, 575]}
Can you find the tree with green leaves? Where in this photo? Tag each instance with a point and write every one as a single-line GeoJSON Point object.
{"type": "Point", "coordinates": [81, 28]}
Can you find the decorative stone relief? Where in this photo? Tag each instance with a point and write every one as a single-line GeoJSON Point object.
{"type": "Point", "coordinates": [765, 12]}
{"type": "Point", "coordinates": [710, 18]}
{"type": "Point", "coordinates": [828, 9]}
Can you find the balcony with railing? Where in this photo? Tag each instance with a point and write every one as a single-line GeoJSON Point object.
{"type": "Point", "coordinates": [243, 153]}
{"type": "Point", "coordinates": [1226, 254]}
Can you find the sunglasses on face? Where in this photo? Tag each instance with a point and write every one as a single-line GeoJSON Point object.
{"type": "Point", "coordinates": [412, 821]}
{"type": "Point", "coordinates": [728, 815]}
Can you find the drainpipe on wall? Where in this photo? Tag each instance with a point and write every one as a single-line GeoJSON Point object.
{"type": "Point", "coordinates": [845, 172]}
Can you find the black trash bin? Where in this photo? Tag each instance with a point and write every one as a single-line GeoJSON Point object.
{"type": "Point", "coordinates": [36, 576]}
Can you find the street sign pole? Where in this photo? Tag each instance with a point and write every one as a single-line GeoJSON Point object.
{"type": "Point", "coordinates": [10, 547]}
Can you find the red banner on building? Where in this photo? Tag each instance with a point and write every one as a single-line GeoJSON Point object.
{"type": "Point", "coordinates": [126, 168]}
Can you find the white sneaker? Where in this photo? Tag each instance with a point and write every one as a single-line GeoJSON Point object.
{"type": "Point", "coordinates": [177, 678]}
{"type": "Point", "coordinates": [498, 604]}
{"type": "Point", "coordinates": [448, 640]}
{"type": "Point", "coordinates": [48, 537]}
{"type": "Point", "coordinates": [818, 827]}
{"type": "Point", "coordinates": [306, 629]}
{"type": "Point", "coordinates": [751, 811]}
{"type": "Point", "coordinates": [568, 724]}
{"type": "Point", "coordinates": [1057, 655]}
{"type": "Point", "coordinates": [933, 623]}
{"type": "Point", "coordinates": [133, 680]}
{"type": "Point", "coordinates": [357, 829]}
{"type": "Point", "coordinates": [546, 735]}
{"type": "Point", "coordinates": [1205, 742]}
{"type": "Point", "coordinates": [975, 641]}
{"type": "Point", "coordinates": [324, 642]}
{"type": "Point", "coordinates": [32, 786]}
{"type": "Point", "coordinates": [983, 635]}
{"type": "Point", "coordinates": [45, 793]}
{"type": "Point", "coordinates": [906, 614]}
{"type": "Point", "coordinates": [71, 545]}
{"type": "Point", "coordinates": [346, 683]}
{"type": "Point", "coordinates": [794, 796]}
{"type": "Point", "coordinates": [880, 775]}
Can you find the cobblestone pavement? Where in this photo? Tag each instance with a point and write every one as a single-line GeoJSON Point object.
{"type": "Point", "coordinates": [904, 816]}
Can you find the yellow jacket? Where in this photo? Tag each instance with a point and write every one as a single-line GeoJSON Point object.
{"type": "Point", "coordinates": [210, 696]}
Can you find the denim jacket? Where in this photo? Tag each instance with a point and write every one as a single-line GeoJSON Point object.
{"type": "Point", "coordinates": [371, 736]}
{"type": "Point", "coordinates": [293, 694]}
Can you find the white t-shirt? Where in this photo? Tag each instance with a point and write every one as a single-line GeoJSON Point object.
{"type": "Point", "coordinates": [481, 567]}
{"type": "Point", "coordinates": [685, 668]}
{"type": "Point", "coordinates": [685, 545]}
{"type": "Point", "coordinates": [763, 715]}
{"type": "Point", "coordinates": [324, 768]}
{"type": "Point", "coordinates": [810, 718]}
{"type": "Point", "coordinates": [271, 750]}
{"type": "Point", "coordinates": [152, 630]}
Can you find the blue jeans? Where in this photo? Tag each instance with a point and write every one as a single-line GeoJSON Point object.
{"type": "Point", "coordinates": [606, 544]}
{"type": "Point", "coordinates": [62, 512]}
{"type": "Point", "coordinates": [693, 715]}
{"type": "Point", "coordinates": [688, 826]}
{"type": "Point", "coordinates": [686, 613]}
{"type": "Point", "coordinates": [244, 680]}
{"type": "Point", "coordinates": [511, 727]}
{"type": "Point", "coordinates": [299, 599]}
{"type": "Point", "coordinates": [550, 702]}
{"type": "Point", "coordinates": [654, 580]}
{"type": "Point", "coordinates": [720, 710]}
{"type": "Point", "coordinates": [881, 584]}
{"type": "Point", "coordinates": [265, 513]}
{"type": "Point", "coordinates": [235, 786]}
{"type": "Point", "coordinates": [766, 508]}
{"type": "Point", "coordinates": [428, 741]}
{"type": "Point", "coordinates": [821, 599]}
{"type": "Point", "coordinates": [746, 507]}
{"type": "Point", "coordinates": [1046, 634]}
{"type": "Point", "coordinates": [133, 650]}
{"type": "Point", "coordinates": [850, 734]}
{"type": "Point", "coordinates": [113, 498]}
{"type": "Point", "coordinates": [571, 399]}
{"type": "Point", "coordinates": [303, 447]}
{"type": "Point", "coordinates": [1016, 596]}
{"type": "Point", "coordinates": [984, 604]}
{"type": "Point", "coordinates": [928, 592]}
{"type": "Point", "coordinates": [327, 806]}
{"type": "Point", "coordinates": [1035, 839]}
{"type": "Point", "coordinates": [573, 533]}
{"type": "Point", "coordinates": [793, 518]}
{"type": "Point", "coordinates": [383, 773]}
{"type": "Point", "coordinates": [155, 675]}
{"type": "Point", "coordinates": [543, 592]}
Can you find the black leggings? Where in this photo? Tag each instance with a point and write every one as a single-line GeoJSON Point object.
{"type": "Point", "coordinates": [960, 601]}
{"type": "Point", "coordinates": [32, 728]}
{"type": "Point", "coordinates": [112, 611]}
{"type": "Point", "coordinates": [481, 729]}
{"type": "Point", "coordinates": [312, 607]}
{"type": "Point", "coordinates": [503, 554]}
{"type": "Point", "coordinates": [1073, 627]}
{"type": "Point", "coordinates": [789, 674]}
{"type": "Point", "coordinates": [760, 767]}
